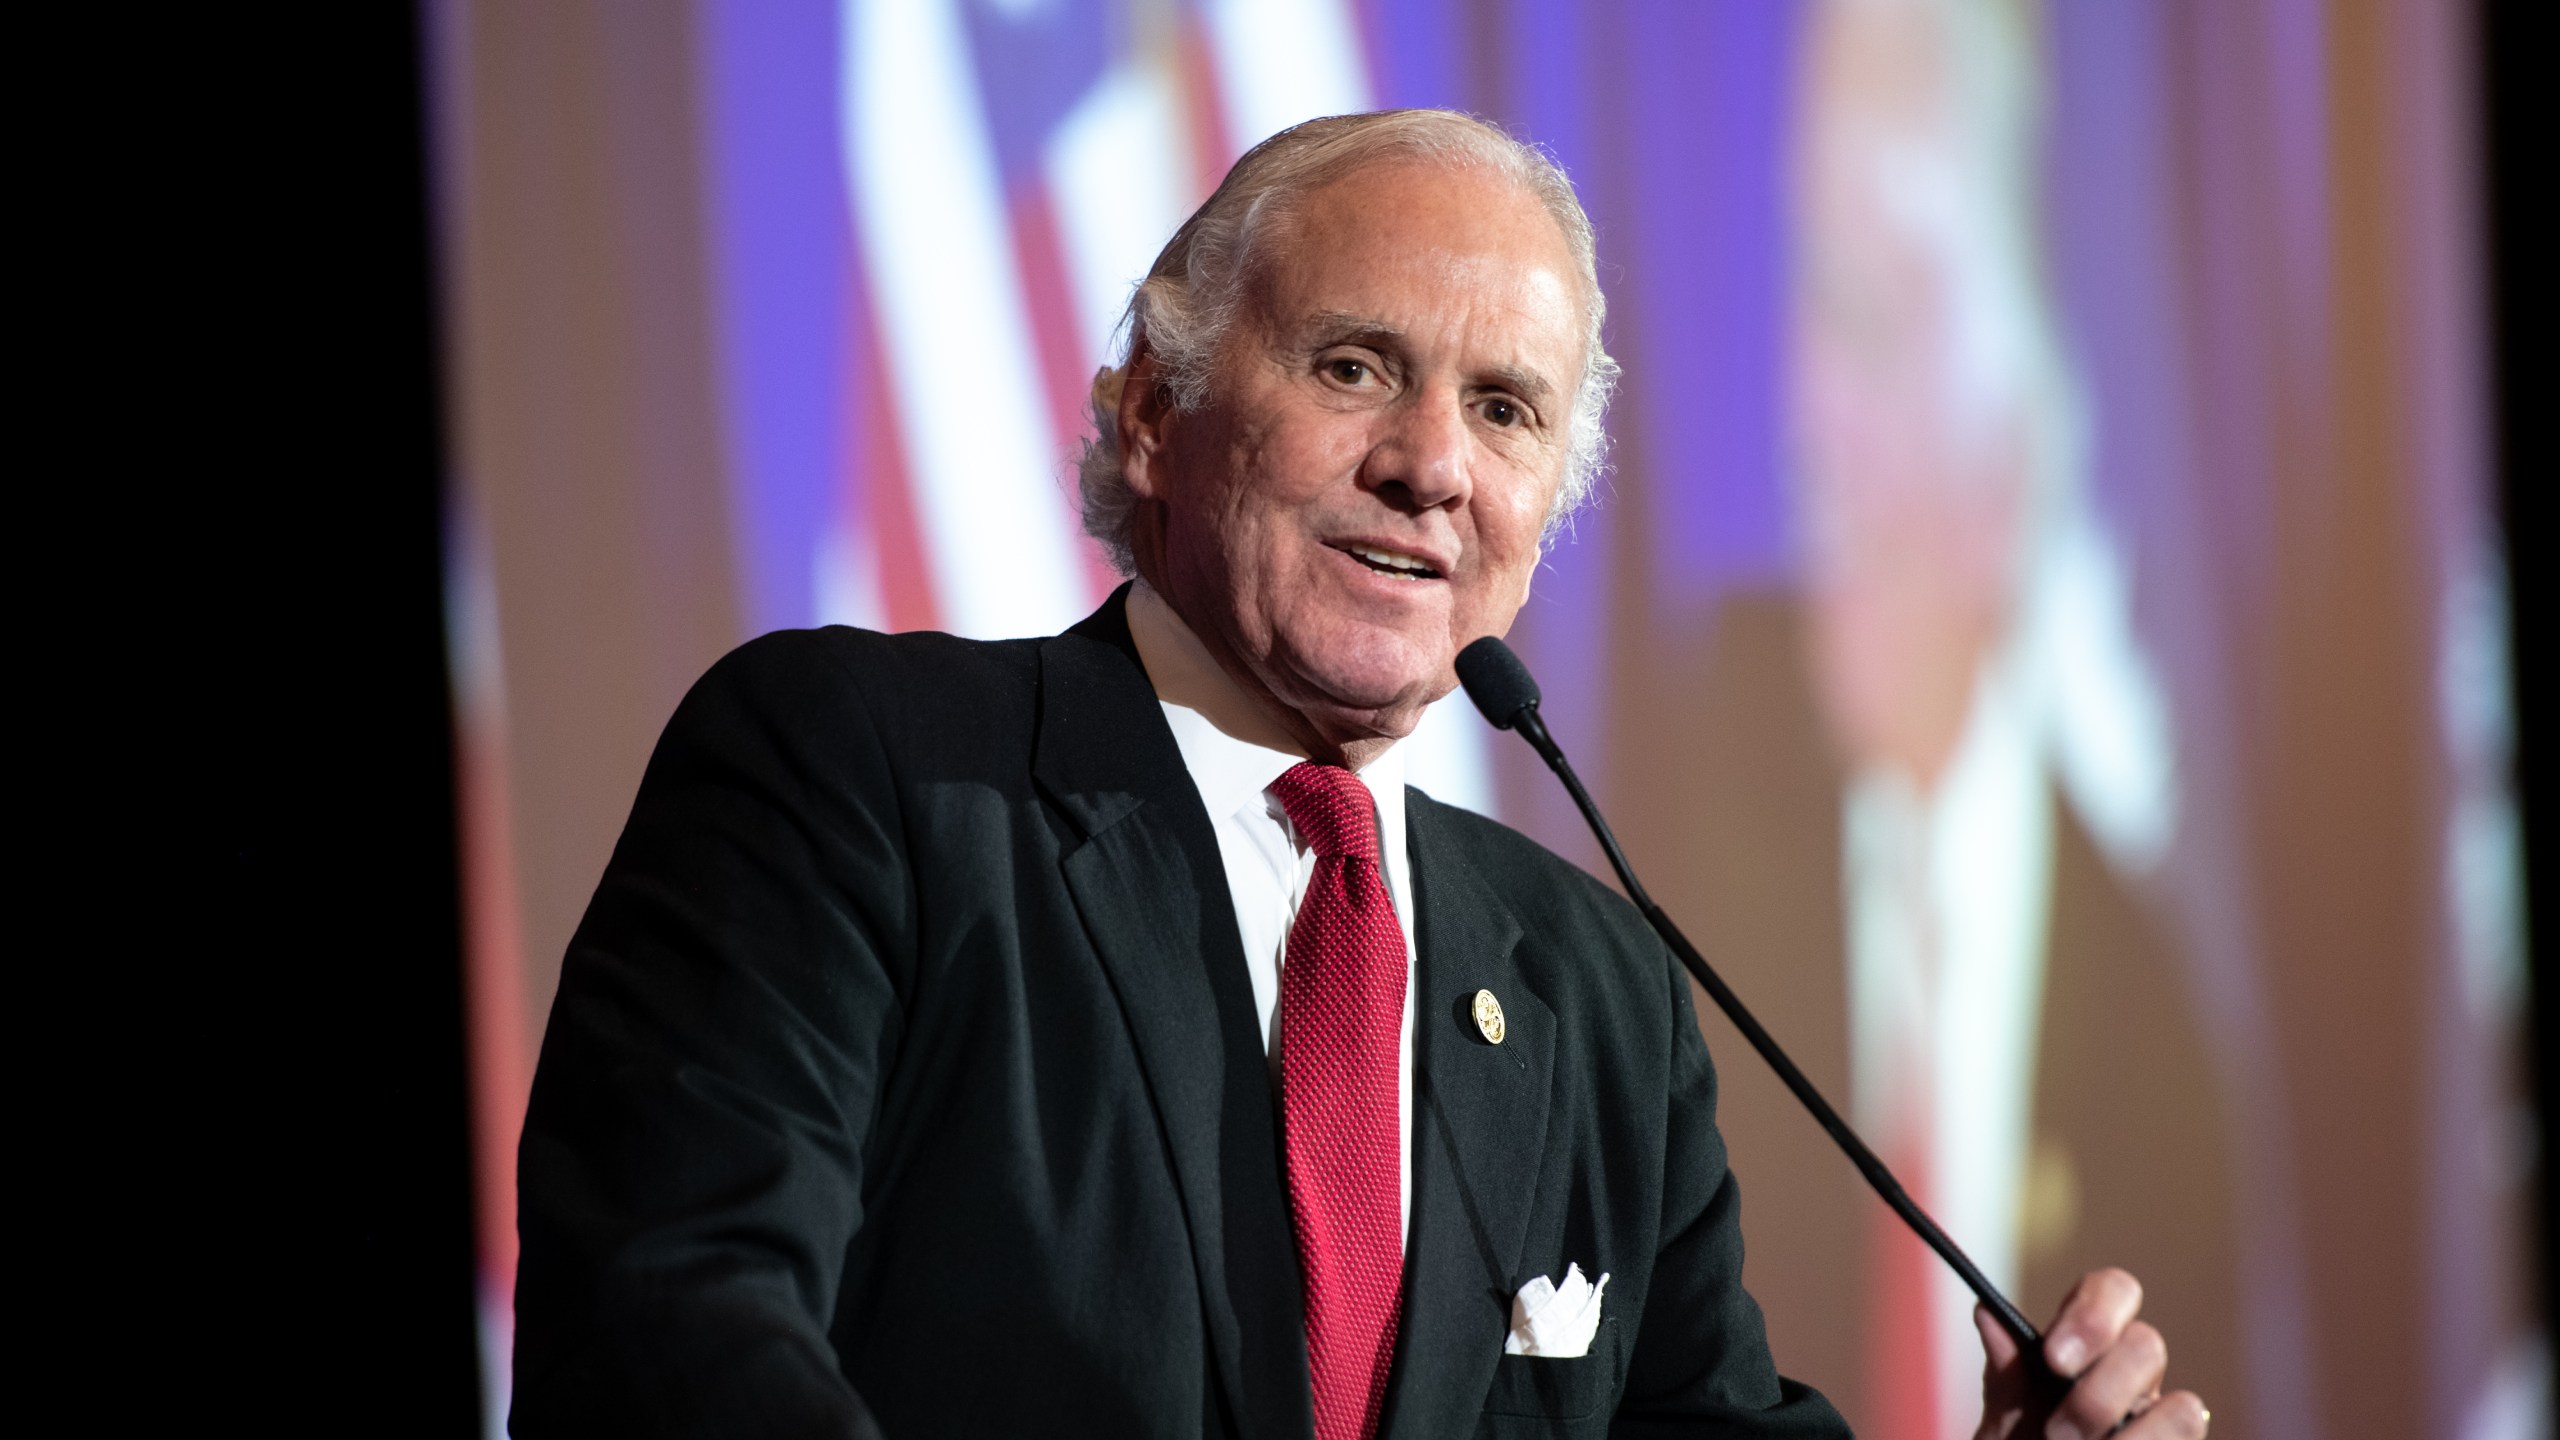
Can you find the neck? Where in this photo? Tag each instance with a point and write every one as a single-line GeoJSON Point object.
{"type": "Point", "coordinates": [1185, 670]}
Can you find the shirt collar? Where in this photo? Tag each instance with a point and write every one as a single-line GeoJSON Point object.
{"type": "Point", "coordinates": [1231, 748]}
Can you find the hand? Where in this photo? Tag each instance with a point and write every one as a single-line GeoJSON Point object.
{"type": "Point", "coordinates": [2113, 1361]}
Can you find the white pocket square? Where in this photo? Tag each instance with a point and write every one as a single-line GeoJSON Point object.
{"type": "Point", "coordinates": [1555, 1322]}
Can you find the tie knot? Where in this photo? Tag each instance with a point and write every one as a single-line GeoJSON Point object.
{"type": "Point", "coordinates": [1331, 808]}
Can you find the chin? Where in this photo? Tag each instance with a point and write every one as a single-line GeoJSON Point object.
{"type": "Point", "coordinates": [1387, 722]}
{"type": "Point", "coordinates": [1351, 700]}
{"type": "Point", "coordinates": [1368, 666]}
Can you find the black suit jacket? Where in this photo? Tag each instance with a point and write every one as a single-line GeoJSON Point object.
{"type": "Point", "coordinates": [907, 1049]}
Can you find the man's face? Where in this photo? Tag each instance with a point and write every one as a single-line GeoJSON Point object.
{"type": "Point", "coordinates": [1363, 492]}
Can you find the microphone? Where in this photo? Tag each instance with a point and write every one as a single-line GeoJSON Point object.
{"type": "Point", "coordinates": [1503, 689]}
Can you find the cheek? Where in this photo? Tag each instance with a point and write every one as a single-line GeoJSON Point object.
{"type": "Point", "coordinates": [1507, 529]}
{"type": "Point", "coordinates": [1519, 512]}
{"type": "Point", "coordinates": [1306, 457]}
{"type": "Point", "coordinates": [1287, 476]}
{"type": "Point", "coordinates": [1214, 494]}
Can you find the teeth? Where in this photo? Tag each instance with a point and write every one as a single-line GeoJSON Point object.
{"type": "Point", "coordinates": [1388, 559]}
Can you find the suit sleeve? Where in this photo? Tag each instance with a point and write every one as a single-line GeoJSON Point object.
{"type": "Point", "coordinates": [692, 1163]}
{"type": "Point", "coordinates": [1702, 1364]}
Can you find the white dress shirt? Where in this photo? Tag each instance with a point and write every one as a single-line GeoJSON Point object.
{"type": "Point", "coordinates": [1234, 752]}
{"type": "Point", "coordinates": [1949, 897]}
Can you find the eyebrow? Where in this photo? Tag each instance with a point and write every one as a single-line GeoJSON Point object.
{"type": "Point", "coordinates": [1340, 327]}
{"type": "Point", "coordinates": [1527, 384]}
{"type": "Point", "coordinates": [1337, 327]}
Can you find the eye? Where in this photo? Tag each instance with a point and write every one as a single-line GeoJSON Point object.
{"type": "Point", "coordinates": [1503, 412]}
{"type": "Point", "coordinates": [1346, 370]}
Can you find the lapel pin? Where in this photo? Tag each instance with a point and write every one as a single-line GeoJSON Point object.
{"type": "Point", "coordinates": [1488, 1013]}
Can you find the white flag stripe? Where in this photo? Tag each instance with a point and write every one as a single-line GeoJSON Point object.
{"type": "Point", "coordinates": [1283, 61]}
{"type": "Point", "coordinates": [985, 471]}
{"type": "Point", "coordinates": [1117, 167]}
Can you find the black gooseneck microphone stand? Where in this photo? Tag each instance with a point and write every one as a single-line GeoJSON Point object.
{"type": "Point", "coordinates": [1501, 687]}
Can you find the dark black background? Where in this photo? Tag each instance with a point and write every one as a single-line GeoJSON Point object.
{"type": "Point", "coordinates": [323, 1216]}
{"type": "Point", "coordinates": [2515, 50]}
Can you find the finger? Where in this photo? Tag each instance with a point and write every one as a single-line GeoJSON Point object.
{"type": "Point", "coordinates": [1999, 1349]}
{"type": "Point", "coordinates": [2117, 1383]}
{"type": "Point", "coordinates": [2004, 1383]}
{"type": "Point", "coordinates": [2093, 1315]}
{"type": "Point", "coordinates": [2180, 1416]}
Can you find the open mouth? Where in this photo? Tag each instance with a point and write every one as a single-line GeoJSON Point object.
{"type": "Point", "coordinates": [1390, 562]}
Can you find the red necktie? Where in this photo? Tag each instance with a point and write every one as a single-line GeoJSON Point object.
{"type": "Point", "coordinates": [1341, 1013]}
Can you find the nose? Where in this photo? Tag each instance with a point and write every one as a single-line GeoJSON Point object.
{"type": "Point", "coordinates": [1420, 459]}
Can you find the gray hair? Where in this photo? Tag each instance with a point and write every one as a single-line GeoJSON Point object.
{"type": "Point", "coordinates": [1181, 311]}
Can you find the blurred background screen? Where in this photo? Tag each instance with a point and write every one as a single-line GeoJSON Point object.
{"type": "Point", "coordinates": [2044, 634]}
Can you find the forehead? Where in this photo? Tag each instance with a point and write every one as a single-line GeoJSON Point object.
{"type": "Point", "coordinates": [1424, 246]}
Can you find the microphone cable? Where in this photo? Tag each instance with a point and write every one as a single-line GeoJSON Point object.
{"type": "Point", "coordinates": [1502, 688]}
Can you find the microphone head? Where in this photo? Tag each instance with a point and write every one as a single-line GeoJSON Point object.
{"type": "Point", "coordinates": [1497, 682]}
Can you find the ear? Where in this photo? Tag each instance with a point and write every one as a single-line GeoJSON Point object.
{"type": "Point", "coordinates": [1145, 417]}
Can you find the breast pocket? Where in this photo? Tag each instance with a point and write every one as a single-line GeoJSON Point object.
{"type": "Point", "coordinates": [1558, 1393]}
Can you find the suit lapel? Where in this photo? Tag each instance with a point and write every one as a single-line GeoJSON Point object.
{"type": "Point", "coordinates": [1147, 880]}
{"type": "Point", "coordinates": [1479, 1132]}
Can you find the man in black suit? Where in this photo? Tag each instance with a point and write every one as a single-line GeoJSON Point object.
{"type": "Point", "coordinates": [926, 1041]}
